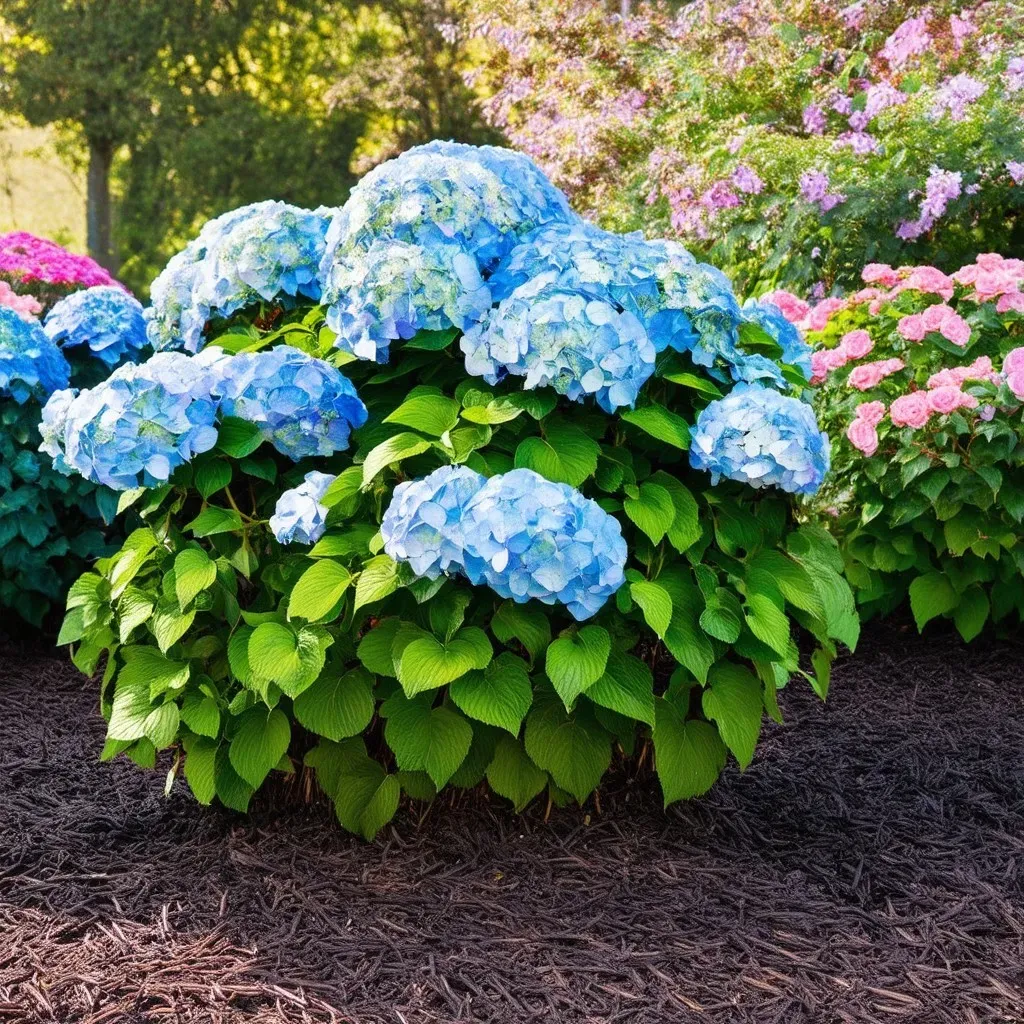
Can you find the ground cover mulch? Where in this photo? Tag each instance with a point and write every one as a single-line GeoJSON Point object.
{"type": "Point", "coordinates": [868, 867]}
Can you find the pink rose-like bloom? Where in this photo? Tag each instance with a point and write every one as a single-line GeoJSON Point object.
{"type": "Point", "coordinates": [793, 308]}
{"type": "Point", "coordinates": [856, 344]}
{"type": "Point", "coordinates": [910, 410]}
{"type": "Point", "coordinates": [871, 412]}
{"type": "Point", "coordinates": [1011, 301]}
{"type": "Point", "coordinates": [880, 273]}
{"type": "Point", "coordinates": [946, 399]}
{"type": "Point", "coordinates": [912, 327]}
{"type": "Point", "coordinates": [929, 280]}
{"type": "Point", "coordinates": [955, 329]}
{"type": "Point", "coordinates": [818, 317]}
{"type": "Point", "coordinates": [935, 316]}
{"type": "Point", "coordinates": [1015, 381]}
{"type": "Point", "coordinates": [819, 367]}
{"type": "Point", "coordinates": [869, 375]}
{"type": "Point", "coordinates": [1014, 361]}
{"type": "Point", "coordinates": [834, 358]}
{"type": "Point", "coordinates": [26, 306]}
{"type": "Point", "coordinates": [863, 436]}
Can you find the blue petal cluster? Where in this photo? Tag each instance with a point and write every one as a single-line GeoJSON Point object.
{"type": "Point", "coordinates": [31, 365]}
{"type": "Point", "coordinates": [298, 515]}
{"type": "Point", "coordinates": [423, 523]}
{"type": "Point", "coordinates": [105, 318]}
{"type": "Point", "coordinates": [136, 427]}
{"type": "Point", "coordinates": [762, 438]}
{"type": "Point", "coordinates": [563, 339]}
{"type": "Point", "coordinates": [394, 289]}
{"type": "Point", "coordinates": [795, 351]}
{"type": "Point", "coordinates": [264, 251]}
{"type": "Point", "coordinates": [303, 405]}
{"type": "Point", "coordinates": [519, 533]}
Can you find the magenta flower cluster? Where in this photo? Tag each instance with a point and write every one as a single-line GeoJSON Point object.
{"type": "Point", "coordinates": [28, 258]}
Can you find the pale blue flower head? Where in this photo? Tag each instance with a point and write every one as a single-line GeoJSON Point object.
{"type": "Point", "coordinates": [795, 351]}
{"type": "Point", "coordinates": [303, 405]}
{"type": "Point", "coordinates": [299, 517]}
{"type": "Point", "coordinates": [762, 438]}
{"type": "Point", "coordinates": [526, 537]}
{"type": "Point", "coordinates": [423, 524]}
{"type": "Point", "coordinates": [104, 318]}
{"type": "Point", "coordinates": [136, 427]}
{"type": "Point", "coordinates": [392, 289]}
{"type": "Point", "coordinates": [31, 365]}
{"type": "Point", "coordinates": [580, 346]}
{"type": "Point", "coordinates": [706, 296]}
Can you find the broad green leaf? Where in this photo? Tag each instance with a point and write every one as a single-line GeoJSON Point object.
{"type": "Point", "coordinates": [170, 624]}
{"type": "Point", "coordinates": [133, 609]}
{"type": "Point", "coordinates": [353, 541]}
{"type": "Point", "coordinates": [374, 649]}
{"type": "Point", "coordinates": [655, 603]}
{"type": "Point", "coordinates": [513, 775]}
{"type": "Point", "coordinates": [699, 384]}
{"type": "Point", "coordinates": [661, 424]}
{"type": "Point", "coordinates": [652, 509]}
{"type": "Point", "coordinates": [722, 619]}
{"type": "Point", "coordinates": [200, 769]}
{"type": "Point", "coordinates": [144, 666]}
{"type": "Point", "coordinates": [213, 520]}
{"type": "Point", "coordinates": [733, 701]}
{"type": "Point", "coordinates": [318, 590]}
{"type": "Point", "coordinates": [378, 579]}
{"type": "Point", "coordinates": [526, 623]}
{"type": "Point", "coordinates": [434, 740]}
{"type": "Point", "coordinates": [565, 454]}
{"type": "Point", "coordinates": [201, 714]}
{"type": "Point", "coordinates": [971, 612]}
{"type": "Point", "coordinates": [238, 438]}
{"type": "Point", "coordinates": [426, 663]}
{"type": "Point", "coordinates": [576, 661]}
{"type": "Point", "coordinates": [499, 695]}
{"type": "Point", "coordinates": [687, 642]}
{"type": "Point", "coordinates": [337, 707]}
{"type": "Point", "coordinates": [161, 726]}
{"type": "Point", "coordinates": [627, 687]}
{"type": "Point", "coordinates": [290, 657]}
{"type": "Point", "coordinates": [792, 579]}
{"type": "Point", "coordinates": [572, 747]}
{"type": "Point", "coordinates": [212, 476]}
{"type": "Point", "coordinates": [689, 754]}
{"type": "Point", "coordinates": [130, 709]}
{"type": "Point", "coordinates": [259, 742]}
{"type": "Point", "coordinates": [393, 450]}
{"type": "Point", "coordinates": [347, 485]}
{"type": "Point", "coordinates": [232, 790]}
{"type": "Point", "coordinates": [931, 595]}
{"type": "Point", "coordinates": [685, 530]}
{"type": "Point", "coordinates": [432, 414]}
{"type": "Point", "coordinates": [767, 622]}
{"type": "Point", "coordinates": [193, 573]}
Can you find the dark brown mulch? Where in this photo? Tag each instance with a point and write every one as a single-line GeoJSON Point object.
{"type": "Point", "coordinates": [868, 867]}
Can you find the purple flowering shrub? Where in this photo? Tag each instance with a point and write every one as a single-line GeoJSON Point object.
{"type": "Point", "coordinates": [921, 386]}
{"type": "Point", "coordinates": [789, 142]}
{"type": "Point", "coordinates": [512, 499]}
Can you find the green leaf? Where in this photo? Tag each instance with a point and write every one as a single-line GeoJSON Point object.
{"type": "Point", "coordinates": [733, 701]}
{"type": "Point", "coordinates": [689, 754]}
{"type": "Point", "coordinates": [699, 384]}
{"type": "Point", "coordinates": [573, 748]}
{"type": "Point", "coordinates": [661, 424]}
{"type": "Point", "coordinates": [169, 624]}
{"type": "Point", "coordinates": [626, 687]}
{"type": "Point", "coordinates": [499, 695]}
{"type": "Point", "coordinates": [193, 573]}
{"type": "Point", "coordinates": [656, 604]}
{"type": "Point", "coordinates": [161, 725]}
{"type": "Point", "coordinates": [971, 613]}
{"type": "Point", "coordinates": [565, 454]}
{"type": "Point", "coordinates": [374, 649]}
{"type": "Point", "coordinates": [687, 642]}
{"type": "Point", "coordinates": [212, 476]}
{"type": "Point", "coordinates": [513, 775]}
{"type": "Point", "coordinates": [353, 541]}
{"type": "Point", "coordinates": [685, 530]}
{"type": "Point", "coordinates": [337, 707]}
{"type": "Point", "coordinates": [767, 622]}
{"type": "Point", "coordinates": [286, 656]}
{"type": "Point", "coordinates": [259, 742]}
{"type": "Point", "coordinates": [232, 790]}
{"type": "Point", "coordinates": [318, 590]}
{"type": "Point", "coordinates": [130, 709]}
{"type": "Point", "coordinates": [652, 509]}
{"type": "Point", "coordinates": [931, 595]}
{"type": "Point", "coordinates": [526, 623]}
{"type": "Point", "coordinates": [200, 769]}
{"type": "Point", "coordinates": [432, 414]}
{"type": "Point", "coordinates": [394, 449]}
{"type": "Point", "coordinates": [146, 667]}
{"type": "Point", "coordinates": [426, 663]}
{"type": "Point", "coordinates": [213, 520]}
{"type": "Point", "coordinates": [133, 609]}
{"type": "Point", "coordinates": [378, 579]}
{"type": "Point", "coordinates": [201, 714]}
{"type": "Point", "coordinates": [576, 661]}
{"type": "Point", "coordinates": [434, 740]}
{"type": "Point", "coordinates": [238, 437]}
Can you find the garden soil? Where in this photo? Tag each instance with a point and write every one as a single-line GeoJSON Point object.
{"type": "Point", "coordinates": [868, 867]}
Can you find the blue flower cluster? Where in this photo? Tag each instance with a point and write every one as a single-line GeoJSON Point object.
{"type": "Point", "coordinates": [105, 318]}
{"type": "Point", "coordinates": [303, 405]}
{"type": "Point", "coordinates": [563, 339]}
{"type": "Point", "coordinates": [795, 351]}
{"type": "Point", "coordinates": [264, 251]}
{"type": "Point", "coordinates": [520, 534]}
{"type": "Point", "coordinates": [446, 210]}
{"type": "Point", "coordinates": [136, 427]}
{"type": "Point", "coordinates": [298, 515]}
{"type": "Point", "coordinates": [31, 365]}
{"type": "Point", "coordinates": [762, 438]}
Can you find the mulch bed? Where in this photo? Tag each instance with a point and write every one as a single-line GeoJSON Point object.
{"type": "Point", "coordinates": [868, 867]}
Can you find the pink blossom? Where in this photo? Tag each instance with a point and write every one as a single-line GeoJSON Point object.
{"type": "Point", "coordinates": [1015, 74]}
{"type": "Point", "coordinates": [835, 358]}
{"type": "Point", "coordinates": [26, 306]}
{"type": "Point", "coordinates": [747, 180]}
{"type": "Point", "coordinates": [912, 327]}
{"type": "Point", "coordinates": [818, 318]}
{"type": "Point", "coordinates": [955, 329]}
{"type": "Point", "coordinates": [929, 280]}
{"type": "Point", "coordinates": [908, 41]}
{"type": "Point", "coordinates": [819, 366]}
{"type": "Point", "coordinates": [863, 436]}
{"type": "Point", "coordinates": [856, 344]}
{"type": "Point", "coordinates": [1015, 382]}
{"type": "Point", "coordinates": [910, 410]}
{"type": "Point", "coordinates": [956, 94]}
{"type": "Point", "coordinates": [814, 119]}
{"type": "Point", "coordinates": [879, 273]}
{"type": "Point", "coordinates": [1011, 301]}
{"type": "Point", "coordinates": [1015, 168]}
{"type": "Point", "coordinates": [36, 259]}
{"type": "Point", "coordinates": [793, 308]}
{"type": "Point", "coordinates": [946, 399]}
{"type": "Point", "coordinates": [961, 27]}
{"type": "Point", "coordinates": [869, 375]}
{"type": "Point", "coordinates": [1013, 362]}
{"type": "Point", "coordinates": [871, 412]}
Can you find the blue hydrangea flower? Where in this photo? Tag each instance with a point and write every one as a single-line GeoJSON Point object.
{"type": "Point", "coordinates": [303, 405]}
{"type": "Point", "coordinates": [105, 318]}
{"type": "Point", "coordinates": [526, 537]}
{"type": "Point", "coordinates": [264, 251]}
{"type": "Point", "coordinates": [423, 524]}
{"type": "Point", "coordinates": [31, 365]}
{"type": "Point", "coordinates": [393, 289]}
{"type": "Point", "coordinates": [298, 515]}
{"type": "Point", "coordinates": [136, 427]}
{"type": "Point", "coordinates": [762, 438]}
{"type": "Point", "coordinates": [562, 339]}
{"type": "Point", "coordinates": [705, 295]}
{"type": "Point", "coordinates": [795, 351]}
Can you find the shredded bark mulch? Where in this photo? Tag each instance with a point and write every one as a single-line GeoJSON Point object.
{"type": "Point", "coordinates": [868, 867]}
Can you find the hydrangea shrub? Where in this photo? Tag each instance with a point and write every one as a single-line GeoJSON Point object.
{"type": "Point", "coordinates": [921, 386]}
{"type": "Point", "coordinates": [427, 535]}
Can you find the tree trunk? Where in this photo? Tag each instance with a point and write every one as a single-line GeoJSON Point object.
{"type": "Point", "coordinates": [98, 207]}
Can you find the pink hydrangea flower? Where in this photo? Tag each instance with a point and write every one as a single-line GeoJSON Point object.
{"type": "Point", "coordinates": [910, 410]}
{"type": "Point", "coordinates": [909, 40]}
{"type": "Point", "coordinates": [814, 119]}
{"type": "Point", "coordinates": [26, 306]}
{"type": "Point", "coordinates": [819, 366]}
{"type": "Point", "coordinates": [793, 308]}
{"type": "Point", "coordinates": [863, 436]}
{"type": "Point", "coordinates": [856, 344]}
{"type": "Point", "coordinates": [835, 358]}
{"type": "Point", "coordinates": [946, 399]}
{"type": "Point", "coordinates": [911, 327]}
{"type": "Point", "coordinates": [871, 412]}
{"type": "Point", "coordinates": [880, 273]}
{"type": "Point", "coordinates": [747, 180]}
{"type": "Point", "coordinates": [870, 375]}
{"type": "Point", "coordinates": [956, 329]}
{"type": "Point", "coordinates": [36, 259]}
{"type": "Point", "coordinates": [1010, 301]}
{"type": "Point", "coordinates": [929, 280]}
{"type": "Point", "coordinates": [818, 317]}
{"type": "Point", "coordinates": [1013, 362]}
{"type": "Point", "coordinates": [1015, 381]}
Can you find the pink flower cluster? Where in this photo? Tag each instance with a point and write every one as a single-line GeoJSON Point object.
{"type": "Point", "coordinates": [29, 258]}
{"type": "Point", "coordinates": [26, 306]}
{"type": "Point", "coordinates": [957, 376]}
{"type": "Point", "coordinates": [941, 188]}
{"type": "Point", "coordinates": [870, 375]}
{"type": "Point", "coordinates": [863, 431]}
{"type": "Point", "coordinates": [938, 317]}
{"type": "Point", "coordinates": [1013, 371]}
{"type": "Point", "coordinates": [994, 277]}
{"type": "Point", "coordinates": [910, 40]}
{"type": "Point", "coordinates": [852, 345]}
